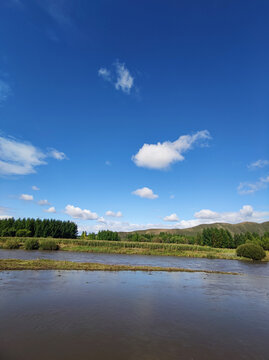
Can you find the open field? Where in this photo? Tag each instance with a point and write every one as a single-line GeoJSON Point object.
{"type": "Point", "coordinates": [16, 264]}
{"type": "Point", "coordinates": [138, 248]}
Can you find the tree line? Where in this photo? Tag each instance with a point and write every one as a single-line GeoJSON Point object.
{"type": "Point", "coordinates": [38, 228]}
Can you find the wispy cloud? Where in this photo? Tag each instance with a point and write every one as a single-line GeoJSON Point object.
{"type": "Point", "coordinates": [21, 158]}
{"type": "Point", "coordinates": [35, 188]}
{"type": "Point", "coordinates": [59, 10]}
{"type": "Point", "coordinates": [5, 91]}
{"type": "Point", "coordinates": [119, 76]}
{"type": "Point", "coordinates": [258, 164]}
{"type": "Point", "coordinates": [78, 213]}
{"type": "Point", "coordinates": [161, 155]}
{"type": "Point", "coordinates": [43, 202]}
{"type": "Point", "coordinates": [4, 212]}
{"type": "Point", "coordinates": [246, 188]}
{"type": "Point", "coordinates": [58, 155]}
{"type": "Point", "coordinates": [146, 193]}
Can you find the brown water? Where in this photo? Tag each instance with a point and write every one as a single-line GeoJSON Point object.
{"type": "Point", "coordinates": [133, 315]}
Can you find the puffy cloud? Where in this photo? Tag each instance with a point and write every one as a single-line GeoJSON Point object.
{"type": "Point", "coordinates": [246, 188]}
{"type": "Point", "coordinates": [246, 213]}
{"type": "Point", "coordinates": [146, 193]}
{"type": "Point", "coordinates": [43, 202]}
{"type": "Point", "coordinates": [78, 213]}
{"type": "Point", "coordinates": [172, 217]}
{"type": "Point", "coordinates": [205, 216]}
{"type": "Point", "coordinates": [35, 188]}
{"type": "Point", "coordinates": [120, 77]}
{"type": "Point", "coordinates": [258, 164]}
{"type": "Point", "coordinates": [161, 155]}
{"type": "Point", "coordinates": [26, 197]}
{"type": "Point", "coordinates": [20, 158]}
{"type": "Point", "coordinates": [113, 214]}
{"type": "Point", "coordinates": [50, 210]}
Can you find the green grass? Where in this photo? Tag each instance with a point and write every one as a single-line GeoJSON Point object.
{"type": "Point", "coordinates": [16, 264]}
{"type": "Point", "coordinates": [139, 248]}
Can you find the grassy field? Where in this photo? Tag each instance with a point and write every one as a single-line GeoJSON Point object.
{"type": "Point", "coordinates": [139, 248]}
{"type": "Point", "coordinates": [15, 264]}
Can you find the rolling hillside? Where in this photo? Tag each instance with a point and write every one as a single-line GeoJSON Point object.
{"type": "Point", "coordinates": [243, 227]}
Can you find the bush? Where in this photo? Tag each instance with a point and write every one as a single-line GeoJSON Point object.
{"type": "Point", "coordinates": [251, 251]}
{"type": "Point", "coordinates": [23, 233]}
{"type": "Point", "coordinates": [31, 244]}
{"type": "Point", "coordinates": [265, 243]}
{"type": "Point", "coordinates": [12, 244]}
{"type": "Point", "coordinates": [48, 245]}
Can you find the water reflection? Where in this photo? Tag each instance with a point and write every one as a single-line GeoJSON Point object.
{"type": "Point", "coordinates": [124, 315]}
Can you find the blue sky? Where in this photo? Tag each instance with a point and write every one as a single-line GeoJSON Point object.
{"type": "Point", "coordinates": [129, 115]}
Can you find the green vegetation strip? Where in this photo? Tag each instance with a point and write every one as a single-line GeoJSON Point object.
{"type": "Point", "coordinates": [16, 264]}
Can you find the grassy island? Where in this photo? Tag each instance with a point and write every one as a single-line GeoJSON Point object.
{"type": "Point", "coordinates": [16, 264]}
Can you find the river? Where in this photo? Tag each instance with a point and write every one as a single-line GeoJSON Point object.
{"type": "Point", "coordinates": [68, 315]}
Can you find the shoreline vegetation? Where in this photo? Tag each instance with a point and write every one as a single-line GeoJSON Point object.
{"type": "Point", "coordinates": [17, 264]}
{"type": "Point", "coordinates": [127, 247]}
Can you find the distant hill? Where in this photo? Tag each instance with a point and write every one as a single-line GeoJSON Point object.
{"type": "Point", "coordinates": [243, 227]}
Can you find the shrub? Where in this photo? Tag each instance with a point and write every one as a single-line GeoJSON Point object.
{"type": "Point", "coordinates": [12, 244]}
{"type": "Point", "coordinates": [265, 243]}
{"type": "Point", "coordinates": [48, 245]}
{"type": "Point", "coordinates": [31, 244]}
{"type": "Point", "coordinates": [23, 233]}
{"type": "Point", "coordinates": [251, 251]}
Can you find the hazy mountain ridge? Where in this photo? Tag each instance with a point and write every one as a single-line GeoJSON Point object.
{"type": "Point", "coordinates": [243, 227]}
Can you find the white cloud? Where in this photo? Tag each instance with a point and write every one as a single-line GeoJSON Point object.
{"type": "Point", "coordinates": [50, 210]}
{"type": "Point", "coordinates": [105, 74]}
{"type": "Point", "coordinates": [26, 197]}
{"type": "Point", "coordinates": [78, 213]}
{"type": "Point", "coordinates": [120, 77]}
{"type": "Point", "coordinates": [58, 155]}
{"type": "Point", "coordinates": [43, 202]}
{"type": "Point", "coordinates": [35, 188]}
{"type": "Point", "coordinates": [258, 164]}
{"type": "Point", "coordinates": [161, 155]}
{"type": "Point", "coordinates": [204, 216]}
{"type": "Point", "coordinates": [146, 193]}
{"type": "Point", "coordinates": [4, 213]}
{"type": "Point", "coordinates": [114, 214]}
{"type": "Point", "coordinates": [246, 188]}
{"type": "Point", "coordinates": [101, 219]}
{"type": "Point", "coordinates": [125, 81]}
{"type": "Point", "coordinates": [20, 158]}
{"type": "Point", "coordinates": [172, 217]}
{"type": "Point", "coordinates": [5, 91]}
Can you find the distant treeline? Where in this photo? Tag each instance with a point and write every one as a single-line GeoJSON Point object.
{"type": "Point", "coordinates": [38, 228]}
{"type": "Point", "coordinates": [214, 237]}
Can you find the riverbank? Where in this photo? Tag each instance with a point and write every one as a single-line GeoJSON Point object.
{"type": "Point", "coordinates": [17, 264]}
{"type": "Point", "coordinates": [138, 248]}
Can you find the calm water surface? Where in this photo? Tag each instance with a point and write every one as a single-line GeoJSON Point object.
{"type": "Point", "coordinates": [134, 315]}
